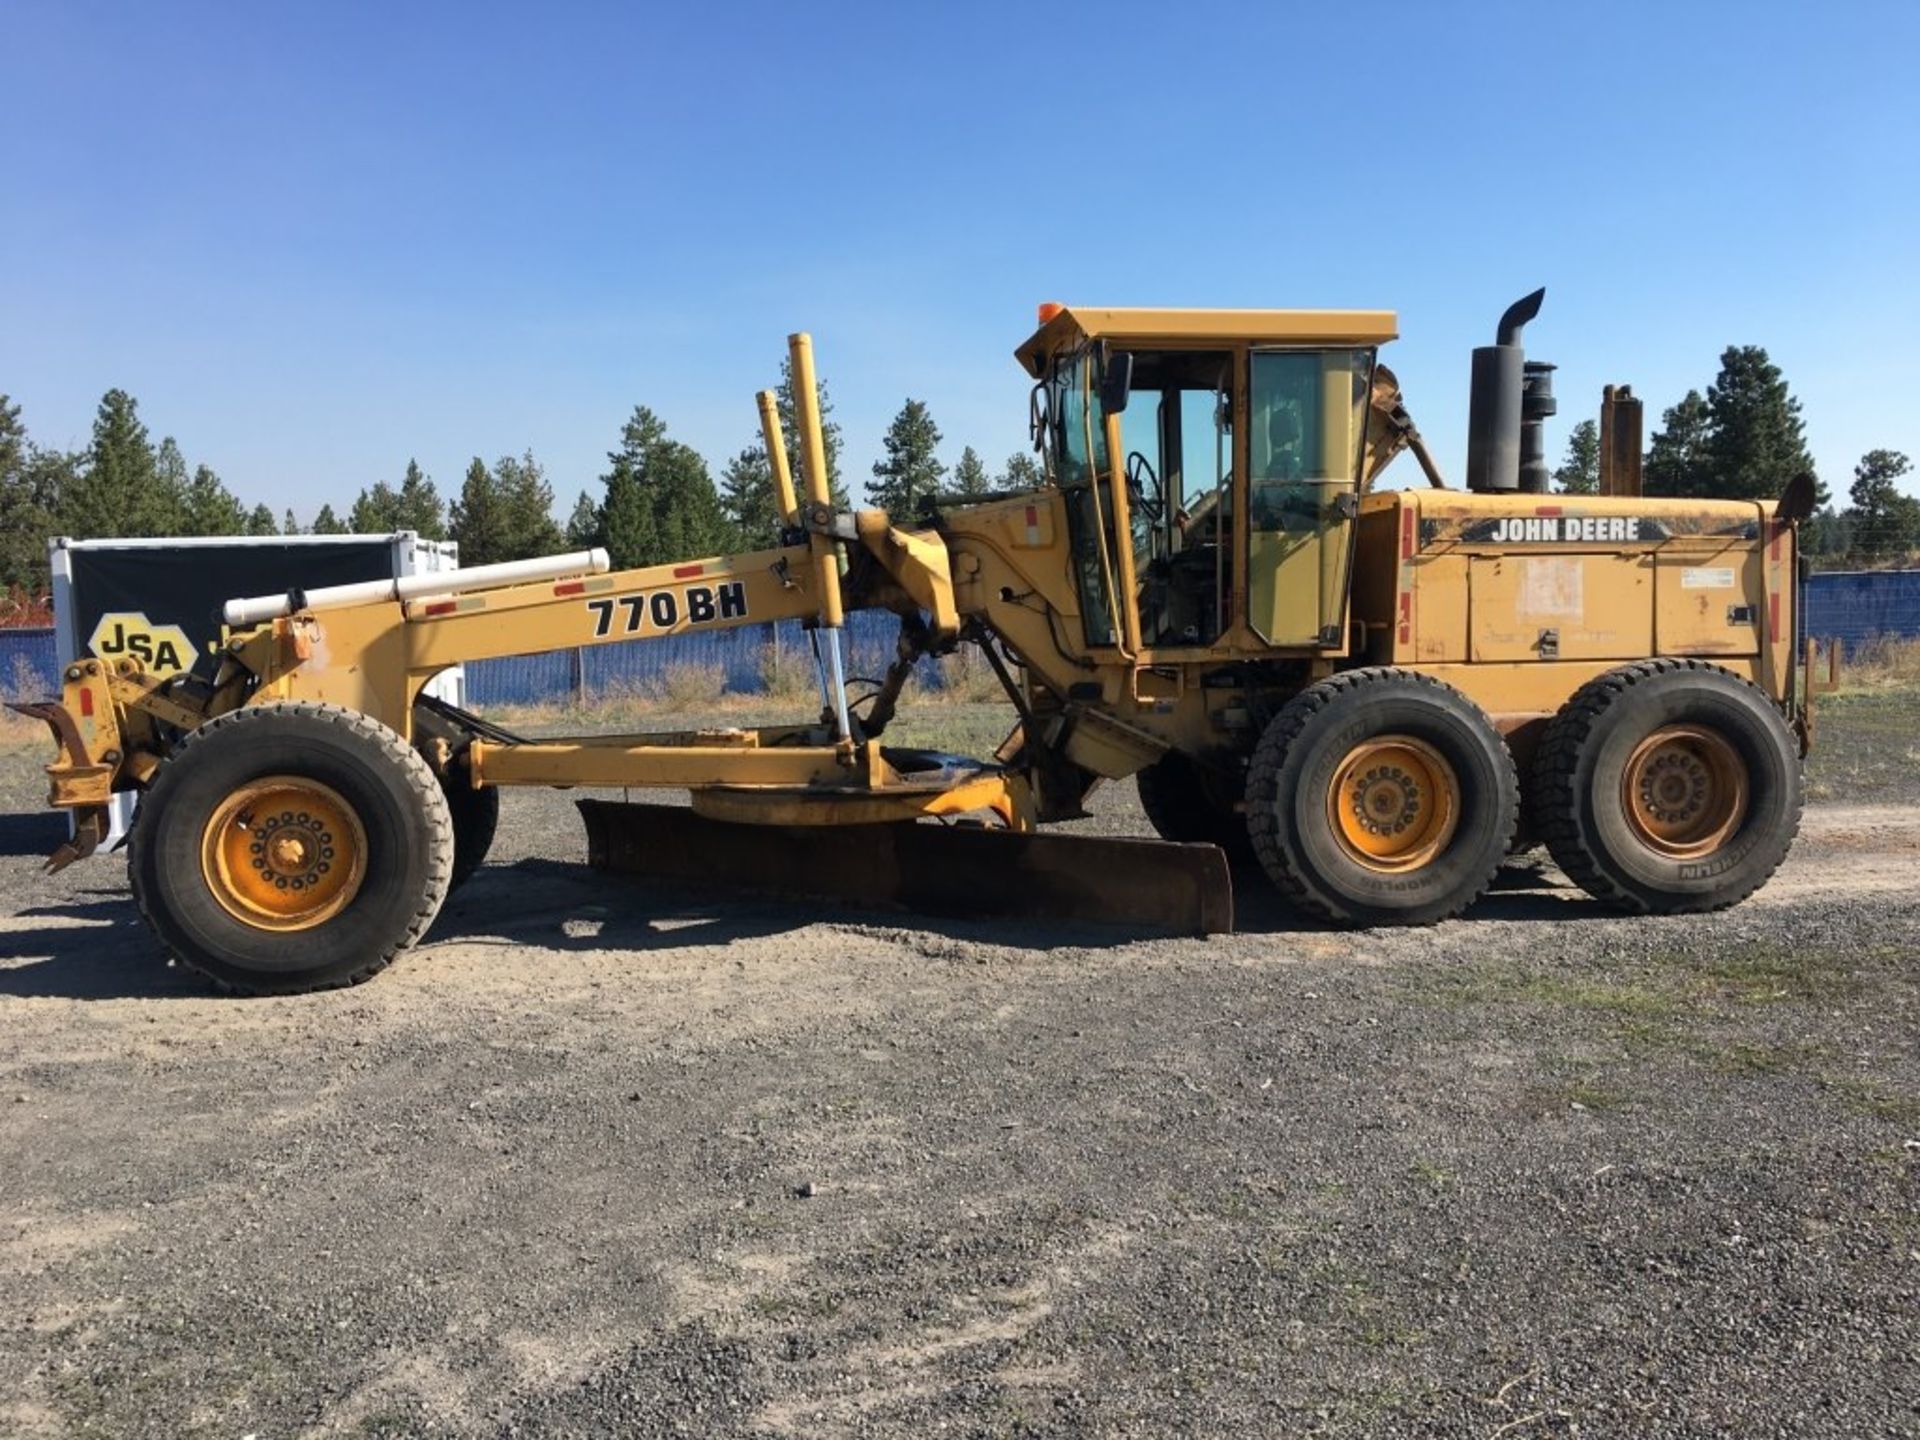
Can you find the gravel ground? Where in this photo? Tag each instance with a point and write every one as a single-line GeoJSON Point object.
{"type": "Point", "coordinates": [600, 1159]}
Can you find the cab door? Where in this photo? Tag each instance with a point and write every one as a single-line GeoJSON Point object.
{"type": "Point", "coordinates": [1177, 440]}
{"type": "Point", "coordinates": [1308, 411]}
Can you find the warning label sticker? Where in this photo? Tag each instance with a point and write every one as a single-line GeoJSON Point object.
{"type": "Point", "coordinates": [1717, 577]}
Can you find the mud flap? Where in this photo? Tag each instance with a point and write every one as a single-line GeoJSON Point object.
{"type": "Point", "coordinates": [970, 873]}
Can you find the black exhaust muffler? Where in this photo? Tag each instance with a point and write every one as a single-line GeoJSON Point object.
{"type": "Point", "coordinates": [1497, 407]}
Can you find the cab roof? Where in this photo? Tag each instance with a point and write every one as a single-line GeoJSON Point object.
{"type": "Point", "coordinates": [1074, 324]}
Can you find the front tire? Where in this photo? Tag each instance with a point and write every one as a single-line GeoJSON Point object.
{"type": "Point", "coordinates": [1669, 787]}
{"type": "Point", "coordinates": [1381, 797]}
{"type": "Point", "coordinates": [291, 847]}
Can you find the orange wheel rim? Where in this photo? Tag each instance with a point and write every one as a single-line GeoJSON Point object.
{"type": "Point", "coordinates": [1394, 803]}
{"type": "Point", "coordinates": [1684, 791]}
{"type": "Point", "coordinates": [284, 853]}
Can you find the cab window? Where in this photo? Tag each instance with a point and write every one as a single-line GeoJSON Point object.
{"type": "Point", "coordinates": [1077, 451]}
{"type": "Point", "coordinates": [1308, 413]}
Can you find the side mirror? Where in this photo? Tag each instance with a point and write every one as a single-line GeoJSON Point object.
{"type": "Point", "coordinates": [1116, 382]}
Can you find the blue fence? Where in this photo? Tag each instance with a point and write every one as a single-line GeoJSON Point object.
{"type": "Point", "coordinates": [744, 659]}
{"type": "Point", "coordinates": [1854, 606]}
{"type": "Point", "coordinates": [1849, 606]}
{"type": "Point", "coordinates": [28, 667]}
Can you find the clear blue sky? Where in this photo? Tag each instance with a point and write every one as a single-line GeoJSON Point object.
{"type": "Point", "coordinates": [315, 241]}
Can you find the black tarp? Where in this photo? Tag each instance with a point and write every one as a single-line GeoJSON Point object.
{"type": "Point", "coordinates": [186, 585]}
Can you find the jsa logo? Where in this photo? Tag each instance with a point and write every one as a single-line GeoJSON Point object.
{"type": "Point", "coordinates": [664, 609]}
{"type": "Point", "coordinates": [129, 635]}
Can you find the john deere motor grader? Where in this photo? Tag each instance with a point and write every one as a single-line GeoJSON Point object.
{"type": "Point", "coordinates": [1361, 691]}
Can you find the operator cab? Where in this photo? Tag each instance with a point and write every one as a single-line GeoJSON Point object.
{"type": "Point", "coordinates": [1161, 426]}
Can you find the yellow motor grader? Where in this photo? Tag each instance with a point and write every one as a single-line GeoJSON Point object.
{"type": "Point", "coordinates": [1367, 695]}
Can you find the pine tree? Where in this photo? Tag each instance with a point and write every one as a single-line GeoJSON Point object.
{"type": "Point", "coordinates": [526, 501]}
{"type": "Point", "coordinates": [415, 506]}
{"type": "Point", "coordinates": [478, 519]}
{"type": "Point", "coordinates": [260, 522]}
{"type": "Point", "coordinates": [419, 507]}
{"type": "Point", "coordinates": [1827, 536]}
{"type": "Point", "coordinates": [970, 476]}
{"type": "Point", "coordinates": [289, 526]}
{"type": "Point", "coordinates": [1579, 473]}
{"type": "Point", "coordinates": [1021, 472]}
{"type": "Point", "coordinates": [170, 475]}
{"type": "Point", "coordinates": [17, 523]}
{"type": "Point", "coordinates": [686, 506]}
{"type": "Point", "coordinates": [327, 523]}
{"type": "Point", "coordinates": [46, 477]}
{"type": "Point", "coordinates": [26, 517]}
{"type": "Point", "coordinates": [746, 499]}
{"type": "Point", "coordinates": [209, 508]}
{"type": "Point", "coordinates": [376, 510]}
{"type": "Point", "coordinates": [51, 474]}
{"type": "Point", "coordinates": [910, 474]}
{"type": "Point", "coordinates": [585, 528]}
{"type": "Point", "coordinates": [626, 517]}
{"type": "Point", "coordinates": [1676, 462]}
{"type": "Point", "coordinates": [118, 490]}
{"type": "Point", "coordinates": [1757, 441]}
{"type": "Point", "coordinates": [661, 504]}
{"type": "Point", "coordinates": [13, 442]}
{"type": "Point", "coordinates": [1885, 523]}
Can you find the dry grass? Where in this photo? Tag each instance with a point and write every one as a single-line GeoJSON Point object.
{"type": "Point", "coordinates": [17, 732]}
{"type": "Point", "coordinates": [965, 678]}
{"type": "Point", "coordinates": [697, 695]}
{"type": "Point", "coordinates": [1864, 747]}
{"type": "Point", "coordinates": [1884, 663]}
{"type": "Point", "coordinates": [689, 685]}
{"type": "Point", "coordinates": [786, 676]}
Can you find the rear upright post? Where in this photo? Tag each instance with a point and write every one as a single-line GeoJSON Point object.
{"type": "Point", "coordinates": [819, 519]}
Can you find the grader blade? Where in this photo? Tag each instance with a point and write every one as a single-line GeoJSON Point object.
{"type": "Point", "coordinates": [955, 871]}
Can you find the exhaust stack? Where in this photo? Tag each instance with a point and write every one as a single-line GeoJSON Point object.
{"type": "Point", "coordinates": [1536, 404]}
{"type": "Point", "coordinates": [1497, 410]}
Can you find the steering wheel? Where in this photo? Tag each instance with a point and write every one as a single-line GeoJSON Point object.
{"type": "Point", "coordinates": [1143, 487]}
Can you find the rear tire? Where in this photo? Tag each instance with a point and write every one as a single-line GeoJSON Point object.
{"type": "Point", "coordinates": [1669, 787]}
{"type": "Point", "coordinates": [293, 847]}
{"type": "Point", "coordinates": [1381, 797]}
{"type": "Point", "coordinates": [1188, 801]}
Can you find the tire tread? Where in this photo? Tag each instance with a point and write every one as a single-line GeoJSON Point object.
{"type": "Point", "coordinates": [419, 778]}
{"type": "Point", "coordinates": [1556, 783]}
{"type": "Point", "coordinates": [1263, 820]}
